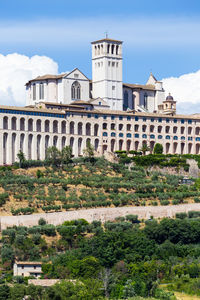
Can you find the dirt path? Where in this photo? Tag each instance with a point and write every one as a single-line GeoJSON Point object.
{"type": "Point", "coordinates": [103, 214]}
{"type": "Point", "coordinates": [181, 296]}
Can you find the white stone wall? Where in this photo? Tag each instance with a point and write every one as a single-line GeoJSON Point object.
{"type": "Point", "coordinates": [58, 90]}
{"type": "Point", "coordinates": [108, 132]}
{"type": "Point", "coordinates": [107, 73]}
{"type": "Point", "coordinates": [100, 214]}
{"type": "Point", "coordinates": [26, 270]}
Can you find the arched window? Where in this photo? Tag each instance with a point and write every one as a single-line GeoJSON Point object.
{"type": "Point", "coordinates": [63, 127]}
{"type": "Point", "coordinates": [121, 135]}
{"type": "Point", "coordinates": [5, 122]}
{"type": "Point", "coordinates": [46, 125]}
{"type": "Point", "coordinates": [125, 106]}
{"type": "Point", "coordinates": [96, 129]}
{"type": "Point", "coordinates": [38, 126]}
{"type": "Point", "coordinates": [88, 129]}
{"type": "Point", "coordinates": [152, 136]}
{"type": "Point", "coordinates": [71, 128]}
{"type": "Point", "coordinates": [128, 135]}
{"type": "Point", "coordinates": [13, 123]}
{"type": "Point", "coordinates": [105, 134]}
{"type": "Point", "coordinates": [120, 126]}
{"type": "Point", "coordinates": [144, 136]}
{"type": "Point", "coordinates": [22, 124]}
{"type": "Point", "coordinates": [30, 125]}
{"type": "Point", "coordinates": [108, 48]}
{"type": "Point", "coordinates": [55, 126]}
{"type": "Point", "coordinates": [112, 49]}
{"type": "Point", "coordinates": [117, 49]}
{"type": "Point", "coordinates": [104, 125]}
{"type": "Point", "coordinates": [175, 138]}
{"type": "Point", "coordinates": [160, 137]}
{"type": "Point", "coordinates": [76, 91]}
{"type": "Point", "coordinates": [112, 133]}
{"type": "Point", "coordinates": [80, 128]}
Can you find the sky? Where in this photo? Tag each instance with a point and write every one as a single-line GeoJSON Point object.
{"type": "Point", "coordinates": [40, 36]}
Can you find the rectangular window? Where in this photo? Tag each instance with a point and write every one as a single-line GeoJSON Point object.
{"type": "Point", "coordinates": [34, 91]}
{"type": "Point", "coordinates": [120, 118]}
{"type": "Point", "coordinates": [144, 119]}
{"type": "Point", "coordinates": [152, 119]}
{"type": "Point", "coordinates": [104, 117]}
{"type": "Point", "coordinates": [167, 120]}
{"type": "Point", "coordinates": [112, 117]}
{"type": "Point", "coordinates": [113, 87]}
{"type": "Point", "coordinates": [189, 121]}
{"type": "Point", "coordinates": [41, 92]}
{"type": "Point", "coordinates": [175, 120]}
{"type": "Point", "coordinates": [160, 120]}
{"type": "Point", "coordinates": [128, 118]}
{"type": "Point", "coordinates": [136, 118]}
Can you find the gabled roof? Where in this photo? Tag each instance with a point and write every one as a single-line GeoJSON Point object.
{"type": "Point", "coordinates": [76, 69]}
{"type": "Point", "coordinates": [152, 79]}
{"type": "Point", "coordinates": [46, 77]}
{"type": "Point", "coordinates": [107, 40]}
{"type": "Point", "coordinates": [80, 102]}
{"type": "Point", "coordinates": [51, 76]}
{"type": "Point", "coordinates": [103, 103]}
{"type": "Point", "coordinates": [148, 87]}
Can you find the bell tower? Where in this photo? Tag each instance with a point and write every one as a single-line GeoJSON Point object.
{"type": "Point", "coordinates": [107, 72]}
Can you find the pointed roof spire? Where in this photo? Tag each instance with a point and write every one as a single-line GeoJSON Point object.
{"type": "Point", "coordinates": [152, 79]}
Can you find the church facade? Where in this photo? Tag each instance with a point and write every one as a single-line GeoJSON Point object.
{"type": "Point", "coordinates": [70, 109]}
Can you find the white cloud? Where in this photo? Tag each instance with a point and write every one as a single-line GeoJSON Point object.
{"type": "Point", "coordinates": [185, 90]}
{"type": "Point", "coordinates": [16, 70]}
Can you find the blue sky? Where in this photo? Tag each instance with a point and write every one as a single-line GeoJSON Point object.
{"type": "Point", "coordinates": [159, 36]}
{"type": "Point", "coordinates": [149, 22]}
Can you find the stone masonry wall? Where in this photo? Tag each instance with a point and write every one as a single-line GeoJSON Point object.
{"type": "Point", "coordinates": [102, 214]}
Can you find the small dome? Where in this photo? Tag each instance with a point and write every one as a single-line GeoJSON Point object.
{"type": "Point", "coordinates": [169, 98]}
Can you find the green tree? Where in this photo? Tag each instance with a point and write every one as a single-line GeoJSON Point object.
{"type": "Point", "coordinates": [158, 149]}
{"type": "Point", "coordinates": [21, 157]}
{"type": "Point", "coordinates": [145, 148]}
{"type": "Point", "coordinates": [4, 292]}
{"type": "Point", "coordinates": [89, 151]}
{"type": "Point", "coordinates": [66, 155]}
{"type": "Point", "coordinates": [53, 156]}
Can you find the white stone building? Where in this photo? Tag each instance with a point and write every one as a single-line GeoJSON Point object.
{"type": "Point", "coordinates": [70, 109]}
{"type": "Point", "coordinates": [27, 268]}
{"type": "Point", "coordinates": [106, 87]}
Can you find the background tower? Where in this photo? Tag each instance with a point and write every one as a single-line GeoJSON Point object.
{"type": "Point", "coordinates": [107, 72]}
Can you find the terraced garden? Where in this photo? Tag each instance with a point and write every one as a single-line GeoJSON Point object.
{"type": "Point", "coordinates": [83, 184]}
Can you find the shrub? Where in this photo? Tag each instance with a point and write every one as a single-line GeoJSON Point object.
{"type": "Point", "coordinates": [181, 215]}
{"type": "Point", "coordinates": [164, 202]}
{"type": "Point", "coordinates": [196, 200]}
{"type": "Point", "coordinates": [193, 214]}
{"type": "Point", "coordinates": [132, 218]}
{"type": "Point", "coordinates": [42, 222]}
{"type": "Point", "coordinates": [158, 149]}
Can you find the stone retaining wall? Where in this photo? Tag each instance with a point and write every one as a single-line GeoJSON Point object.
{"type": "Point", "coordinates": [102, 214]}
